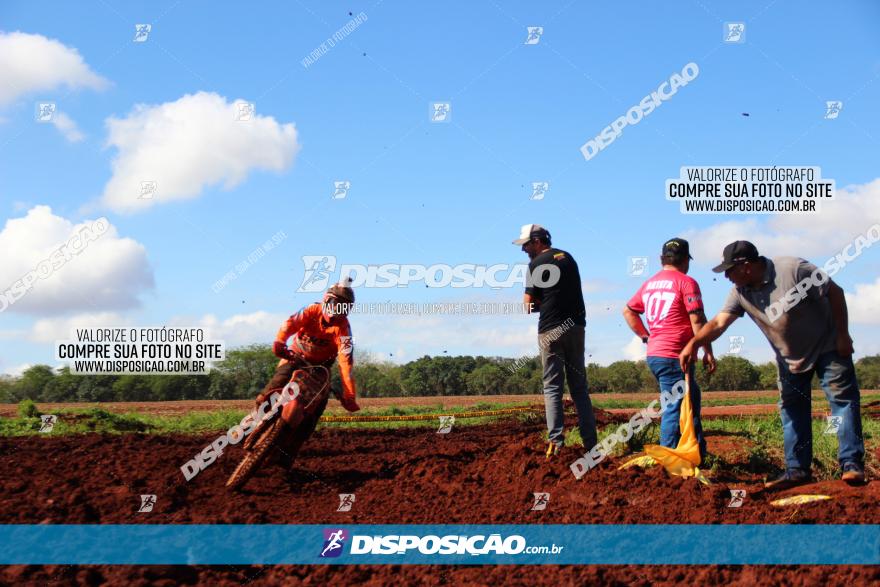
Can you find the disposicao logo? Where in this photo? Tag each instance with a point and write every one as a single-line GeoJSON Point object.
{"type": "Point", "coordinates": [334, 542]}
{"type": "Point", "coordinates": [409, 544]}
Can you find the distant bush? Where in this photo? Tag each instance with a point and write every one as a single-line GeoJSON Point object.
{"type": "Point", "coordinates": [868, 372]}
{"type": "Point", "coordinates": [28, 409]}
{"type": "Point", "coordinates": [734, 373]}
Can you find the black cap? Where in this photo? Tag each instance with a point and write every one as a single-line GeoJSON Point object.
{"type": "Point", "coordinates": [735, 253]}
{"type": "Point", "coordinates": [676, 247]}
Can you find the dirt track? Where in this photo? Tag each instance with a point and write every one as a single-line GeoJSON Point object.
{"type": "Point", "coordinates": [471, 475]}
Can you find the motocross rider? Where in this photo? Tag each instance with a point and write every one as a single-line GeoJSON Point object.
{"type": "Point", "coordinates": [321, 333]}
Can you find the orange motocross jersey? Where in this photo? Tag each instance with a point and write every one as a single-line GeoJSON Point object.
{"type": "Point", "coordinates": [318, 341]}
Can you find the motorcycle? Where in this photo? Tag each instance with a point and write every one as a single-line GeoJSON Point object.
{"type": "Point", "coordinates": [287, 429]}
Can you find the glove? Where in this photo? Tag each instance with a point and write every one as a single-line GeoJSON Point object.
{"type": "Point", "coordinates": [282, 351]}
{"type": "Point", "coordinates": [349, 403]}
{"type": "Point", "coordinates": [260, 399]}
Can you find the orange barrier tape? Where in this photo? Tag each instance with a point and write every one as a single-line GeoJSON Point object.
{"type": "Point", "coordinates": [416, 417]}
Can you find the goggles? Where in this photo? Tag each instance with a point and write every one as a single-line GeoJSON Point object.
{"type": "Point", "coordinates": [333, 306]}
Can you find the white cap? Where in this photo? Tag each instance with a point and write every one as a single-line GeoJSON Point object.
{"type": "Point", "coordinates": [529, 231]}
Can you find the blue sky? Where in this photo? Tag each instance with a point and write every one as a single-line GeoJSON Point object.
{"type": "Point", "coordinates": [424, 192]}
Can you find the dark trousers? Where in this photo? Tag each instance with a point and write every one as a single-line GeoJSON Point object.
{"type": "Point", "coordinates": [562, 356]}
{"type": "Point", "coordinates": [837, 376]}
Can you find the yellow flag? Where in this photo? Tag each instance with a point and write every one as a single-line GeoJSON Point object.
{"type": "Point", "coordinates": [684, 458]}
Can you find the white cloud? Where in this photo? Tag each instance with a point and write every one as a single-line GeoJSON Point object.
{"type": "Point", "coordinates": [410, 337]}
{"type": "Point", "coordinates": [391, 337]}
{"type": "Point", "coordinates": [33, 63]}
{"type": "Point", "coordinates": [863, 303]}
{"type": "Point", "coordinates": [864, 346]}
{"type": "Point", "coordinates": [67, 127]}
{"type": "Point", "coordinates": [53, 329]}
{"type": "Point", "coordinates": [109, 273]}
{"type": "Point", "coordinates": [237, 330]}
{"type": "Point", "coordinates": [850, 214]}
{"type": "Point", "coordinates": [190, 144]}
{"type": "Point", "coordinates": [404, 337]}
{"type": "Point", "coordinates": [17, 370]}
{"type": "Point", "coordinates": [634, 350]}
{"type": "Point", "coordinates": [853, 210]}
{"type": "Point", "coordinates": [515, 335]}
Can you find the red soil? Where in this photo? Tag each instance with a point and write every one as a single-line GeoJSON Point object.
{"type": "Point", "coordinates": [482, 474]}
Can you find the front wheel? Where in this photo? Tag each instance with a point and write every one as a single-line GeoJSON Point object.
{"type": "Point", "coordinates": [256, 451]}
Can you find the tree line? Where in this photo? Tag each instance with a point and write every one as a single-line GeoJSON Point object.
{"type": "Point", "coordinates": [246, 370]}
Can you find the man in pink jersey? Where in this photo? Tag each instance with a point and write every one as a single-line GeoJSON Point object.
{"type": "Point", "coordinates": [673, 308]}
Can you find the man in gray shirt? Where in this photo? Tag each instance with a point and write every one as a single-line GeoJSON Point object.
{"type": "Point", "coordinates": [803, 315]}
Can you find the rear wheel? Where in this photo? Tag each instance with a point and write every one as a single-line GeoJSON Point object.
{"type": "Point", "coordinates": [296, 438]}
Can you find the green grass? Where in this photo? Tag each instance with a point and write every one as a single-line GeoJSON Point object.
{"type": "Point", "coordinates": [422, 410]}
{"type": "Point", "coordinates": [76, 421]}
{"type": "Point", "coordinates": [81, 421]}
{"type": "Point", "coordinates": [648, 435]}
{"type": "Point", "coordinates": [766, 433]}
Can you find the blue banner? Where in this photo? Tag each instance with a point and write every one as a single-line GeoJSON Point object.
{"type": "Point", "coordinates": [145, 544]}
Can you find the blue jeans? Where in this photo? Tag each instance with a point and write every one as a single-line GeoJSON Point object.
{"type": "Point", "coordinates": [564, 358]}
{"type": "Point", "coordinates": [668, 372]}
{"type": "Point", "coordinates": [837, 376]}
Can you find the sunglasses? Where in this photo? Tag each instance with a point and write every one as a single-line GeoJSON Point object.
{"type": "Point", "coordinates": [729, 270]}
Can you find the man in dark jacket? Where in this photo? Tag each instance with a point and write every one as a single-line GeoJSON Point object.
{"type": "Point", "coordinates": [554, 290]}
